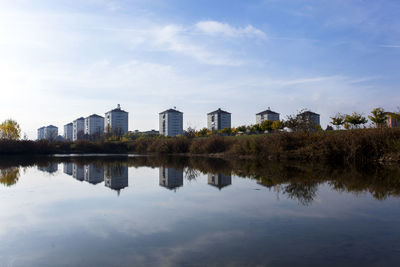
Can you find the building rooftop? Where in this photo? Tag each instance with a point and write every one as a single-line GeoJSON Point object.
{"type": "Point", "coordinates": [81, 118]}
{"type": "Point", "coordinates": [170, 110]}
{"type": "Point", "coordinates": [268, 111]}
{"type": "Point", "coordinates": [51, 126]}
{"type": "Point", "coordinates": [218, 111]}
{"type": "Point", "coordinates": [68, 124]}
{"type": "Point", "coordinates": [117, 109]}
{"type": "Point", "coordinates": [95, 116]}
{"type": "Point", "coordinates": [309, 112]}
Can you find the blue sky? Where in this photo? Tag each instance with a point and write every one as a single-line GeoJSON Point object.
{"type": "Point", "coordinates": [60, 60]}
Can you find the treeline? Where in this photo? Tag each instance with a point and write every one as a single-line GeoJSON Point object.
{"type": "Point", "coordinates": [359, 146]}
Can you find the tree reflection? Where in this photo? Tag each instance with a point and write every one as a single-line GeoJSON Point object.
{"type": "Point", "coordinates": [304, 192]}
{"type": "Point", "coordinates": [9, 176]}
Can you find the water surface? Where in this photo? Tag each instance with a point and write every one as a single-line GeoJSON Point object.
{"type": "Point", "coordinates": [119, 211]}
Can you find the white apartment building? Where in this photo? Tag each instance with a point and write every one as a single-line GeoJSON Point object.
{"type": "Point", "coordinates": [267, 115]}
{"type": "Point", "coordinates": [78, 129]}
{"type": "Point", "coordinates": [116, 177]}
{"type": "Point", "coordinates": [40, 133]}
{"type": "Point", "coordinates": [171, 178]}
{"type": "Point", "coordinates": [116, 121]}
{"type": "Point", "coordinates": [50, 132]}
{"type": "Point", "coordinates": [171, 122]}
{"type": "Point", "coordinates": [94, 124]}
{"type": "Point", "coordinates": [218, 120]}
{"type": "Point", "coordinates": [68, 131]}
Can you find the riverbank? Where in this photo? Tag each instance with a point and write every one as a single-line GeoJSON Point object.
{"type": "Point", "coordinates": [342, 147]}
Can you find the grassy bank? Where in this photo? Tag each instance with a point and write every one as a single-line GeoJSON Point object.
{"type": "Point", "coordinates": [352, 146]}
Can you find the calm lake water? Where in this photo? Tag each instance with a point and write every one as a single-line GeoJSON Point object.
{"type": "Point", "coordinates": [148, 211]}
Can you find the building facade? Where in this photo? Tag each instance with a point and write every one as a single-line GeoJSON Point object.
{"type": "Point", "coordinates": [68, 129]}
{"type": "Point", "coordinates": [171, 122]}
{"type": "Point", "coordinates": [50, 133]}
{"type": "Point", "coordinates": [78, 129]}
{"type": "Point", "coordinates": [94, 174]}
{"type": "Point", "coordinates": [40, 133]}
{"type": "Point", "coordinates": [219, 180]}
{"type": "Point", "coordinates": [94, 125]}
{"type": "Point", "coordinates": [267, 115]}
{"type": "Point", "coordinates": [170, 178]}
{"type": "Point", "coordinates": [218, 120]}
{"type": "Point", "coordinates": [392, 120]}
{"type": "Point", "coordinates": [310, 117]}
{"type": "Point", "coordinates": [116, 121]}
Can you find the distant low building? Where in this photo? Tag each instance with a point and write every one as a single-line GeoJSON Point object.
{"type": "Point", "coordinates": [392, 120]}
{"type": "Point", "coordinates": [68, 130]}
{"type": "Point", "coordinates": [78, 129]}
{"type": "Point", "coordinates": [94, 125]}
{"type": "Point", "coordinates": [267, 115]}
{"type": "Point", "coordinates": [171, 122]}
{"type": "Point", "coordinates": [218, 120]}
{"type": "Point", "coordinates": [116, 121]}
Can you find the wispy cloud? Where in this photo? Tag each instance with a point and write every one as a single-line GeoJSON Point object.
{"type": "Point", "coordinates": [214, 28]}
{"type": "Point", "coordinates": [390, 46]}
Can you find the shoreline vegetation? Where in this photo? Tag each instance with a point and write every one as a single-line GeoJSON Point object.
{"type": "Point", "coordinates": [356, 146]}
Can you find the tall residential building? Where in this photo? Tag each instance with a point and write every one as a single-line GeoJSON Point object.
{"type": "Point", "coordinates": [94, 174]}
{"type": "Point", "coordinates": [68, 131]}
{"type": "Point", "coordinates": [78, 129]}
{"type": "Point", "coordinates": [40, 133]}
{"type": "Point", "coordinates": [171, 122]}
{"type": "Point", "coordinates": [116, 176]}
{"type": "Point", "coordinates": [116, 121]}
{"type": "Point", "coordinates": [94, 125]}
{"type": "Point", "coordinates": [267, 115]}
{"type": "Point", "coordinates": [309, 116]}
{"type": "Point", "coordinates": [78, 172]}
{"type": "Point", "coordinates": [218, 120]}
{"type": "Point", "coordinates": [50, 132]}
{"type": "Point", "coordinates": [171, 178]}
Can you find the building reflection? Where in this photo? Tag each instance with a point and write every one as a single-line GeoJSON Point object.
{"type": "Point", "coordinates": [116, 176]}
{"type": "Point", "coordinates": [67, 168]}
{"type": "Point", "coordinates": [171, 178]}
{"type": "Point", "coordinates": [50, 168]}
{"type": "Point", "coordinates": [78, 172]}
{"type": "Point", "coordinates": [219, 180]}
{"type": "Point", "coordinates": [94, 174]}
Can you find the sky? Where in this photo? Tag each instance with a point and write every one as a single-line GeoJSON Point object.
{"type": "Point", "coordinates": [60, 60]}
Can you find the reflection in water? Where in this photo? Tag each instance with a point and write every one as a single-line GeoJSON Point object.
{"type": "Point", "coordinates": [9, 176]}
{"type": "Point", "coordinates": [116, 176]}
{"type": "Point", "coordinates": [94, 174]}
{"type": "Point", "coordinates": [50, 168]}
{"type": "Point", "coordinates": [171, 178]}
{"type": "Point", "coordinates": [219, 180]}
{"type": "Point", "coordinates": [78, 172]}
{"type": "Point", "coordinates": [67, 168]}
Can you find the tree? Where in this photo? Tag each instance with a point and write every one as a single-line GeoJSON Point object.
{"type": "Point", "coordinates": [202, 132]}
{"type": "Point", "coordinates": [378, 117]}
{"type": "Point", "coordinates": [278, 125]}
{"type": "Point", "coordinates": [355, 119]}
{"type": "Point", "coordinates": [338, 120]}
{"type": "Point", "coordinates": [10, 129]}
{"type": "Point", "coordinates": [266, 126]}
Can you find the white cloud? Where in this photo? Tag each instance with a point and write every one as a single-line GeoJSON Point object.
{"type": "Point", "coordinates": [214, 28]}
